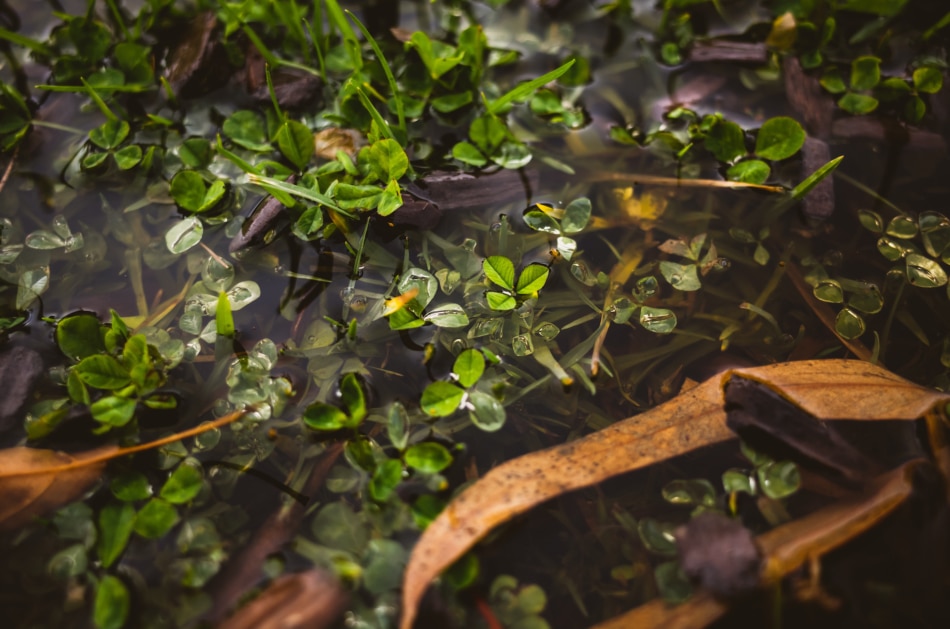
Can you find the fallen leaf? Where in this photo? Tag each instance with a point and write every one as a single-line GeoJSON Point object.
{"type": "Point", "coordinates": [34, 481]}
{"type": "Point", "coordinates": [828, 389]}
{"type": "Point", "coordinates": [307, 600]}
{"type": "Point", "coordinates": [785, 549]}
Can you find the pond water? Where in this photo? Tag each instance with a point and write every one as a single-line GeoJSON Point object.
{"type": "Point", "coordinates": [636, 223]}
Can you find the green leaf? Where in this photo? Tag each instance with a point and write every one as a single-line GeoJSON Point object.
{"type": "Point", "coordinates": [128, 157]}
{"type": "Point", "coordinates": [113, 410]}
{"type": "Point", "coordinates": [115, 527]}
{"type": "Point", "coordinates": [924, 272]}
{"type": "Point", "coordinates": [532, 279]}
{"type": "Point", "coordinates": [184, 235]}
{"type": "Point", "coordinates": [102, 372]}
{"type": "Point", "coordinates": [657, 320]}
{"type": "Point", "coordinates": [190, 192]}
{"type": "Point", "coordinates": [447, 316]}
{"type": "Point", "coordinates": [441, 399]}
{"type": "Point", "coordinates": [779, 138]}
{"type": "Point", "coordinates": [865, 73]}
{"type": "Point", "coordinates": [320, 416]}
{"type": "Point", "coordinates": [541, 221]}
{"type": "Point", "coordinates": [196, 152]}
{"type": "Point", "coordinates": [109, 134]}
{"type": "Point", "coordinates": [815, 178]}
{"type": "Point", "coordinates": [469, 367]}
{"type": "Point", "coordinates": [295, 141]}
{"type": "Point", "coordinates": [338, 527]}
{"type": "Point", "coordinates": [352, 197]}
{"type": "Point", "coordinates": [487, 412]}
{"type": "Point", "coordinates": [487, 133]}
{"type": "Point", "coordinates": [223, 317]}
{"type": "Point", "coordinates": [779, 479]}
{"type": "Point", "coordinates": [694, 491]}
{"type": "Point", "coordinates": [130, 486]}
{"type": "Point", "coordinates": [386, 477]}
{"type": "Point", "coordinates": [351, 393]}
{"type": "Point", "coordinates": [576, 216]}
{"type": "Point", "coordinates": [469, 154]}
{"type": "Point", "coordinates": [680, 276]}
{"type": "Point", "coordinates": [246, 128]}
{"type": "Point", "coordinates": [849, 324]}
{"type": "Point", "coordinates": [111, 608]}
{"type": "Point", "coordinates": [749, 171]}
{"type": "Point", "coordinates": [405, 319]}
{"type": "Point", "coordinates": [928, 79]}
{"type": "Point", "coordinates": [310, 223]}
{"type": "Point", "coordinates": [397, 427]}
{"type": "Point", "coordinates": [500, 270]}
{"type": "Point", "coordinates": [500, 301]}
{"type": "Point", "coordinates": [183, 484]}
{"type": "Point", "coordinates": [726, 141]}
{"type": "Point", "coordinates": [428, 457]}
{"type": "Point", "coordinates": [525, 90]}
{"type": "Point", "coordinates": [155, 519]}
{"type": "Point", "coordinates": [79, 336]}
{"type": "Point", "coordinates": [387, 159]}
{"type": "Point", "coordinates": [857, 103]}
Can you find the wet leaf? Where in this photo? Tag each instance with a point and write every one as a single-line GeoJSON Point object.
{"type": "Point", "coordinates": [928, 80]}
{"type": "Point", "coordinates": [313, 599]}
{"type": "Point", "coordinates": [532, 279]}
{"type": "Point", "coordinates": [79, 336]}
{"type": "Point", "coordinates": [320, 416]}
{"type": "Point", "coordinates": [184, 235]}
{"type": "Point", "coordinates": [924, 272]}
{"type": "Point", "coordinates": [447, 316]}
{"type": "Point", "coordinates": [155, 519]}
{"type": "Point", "coordinates": [500, 270]}
{"type": "Point", "coordinates": [191, 193]}
{"type": "Point", "coordinates": [865, 73]}
{"type": "Point", "coordinates": [428, 457]}
{"type": "Point", "coordinates": [109, 134]}
{"type": "Point", "coordinates": [698, 492]}
{"type": "Point", "coordinates": [353, 398]}
{"type": "Point", "coordinates": [295, 142]}
{"type": "Point", "coordinates": [469, 367]}
{"type": "Point", "coordinates": [115, 527]}
{"type": "Point", "coordinates": [113, 410]}
{"type": "Point", "coordinates": [246, 128]}
{"type": "Point", "coordinates": [576, 216]}
{"type": "Point", "coordinates": [440, 399]}
{"type": "Point", "coordinates": [183, 484]}
{"type": "Point", "coordinates": [102, 372]}
{"type": "Point", "coordinates": [500, 301]}
{"type": "Point", "coordinates": [825, 389]}
{"type": "Point", "coordinates": [488, 413]}
{"type": "Point", "coordinates": [112, 603]}
{"type": "Point", "coordinates": [749, 171]}
{"type": "Point", "coordinates": [726, 141]}
{"type": "Point", "coordinates": [849, 324]}
{"type": "Point", "coordinates": [34, 481]}
{"type": "Point", "coordinates": [779, 479]}
{"type": "Point", "coordinates": [779, 138]}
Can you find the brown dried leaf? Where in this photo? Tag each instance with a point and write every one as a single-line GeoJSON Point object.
{"type": "Point", "coordinates": [828, 389]}
{"type": "Point", "coordinates": [34, 481]}
{"type": "Point", "coordinates": [785, 549]}
{"type": "Point", "coordinates": [308, 600]}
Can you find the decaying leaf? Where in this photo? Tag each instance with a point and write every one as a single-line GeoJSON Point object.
{"type": "Point", "coordinates": [785, 548]}
{"type": "Point", "coordinates": [828, 389]}
{"type": "Point", "coordinates": [34, 481]}
{"type": "Point", "coordinates": [311, 600]}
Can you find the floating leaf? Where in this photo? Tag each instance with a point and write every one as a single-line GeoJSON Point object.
{"type": "Point", "coordinates": [487, 412]}
{"type": "Point", "coordinates": [532, 279]}
{"type": "Point", "coordinates": [441, 399]}
{"type": "Point", "coordinates": [500, 270]}
{"type": "Point", "coordinates": [726, 141]}
{"type": "Point", "coordinates": [447, 316]}
{"type": "Point", "coordinates": [825, 389]}
{"type": "Point", "coordinates": [576, 216]}
{"type": "Point", "coordinates": [924, 272]}
{"type": "Point", "coordinates": [183, 484]}
{"type": "Point", "coordinates": [320, 416]}
{"type": "Point", "coordinates": [779, 138]}
{"type": "Point", "coordinates": [469, 367]}
{"type": "Point", "coordinates": [184, 235]}
{"type": "Point", "coordinates": [749, 171]}
{"type": "Point", "coordinates": [295, 141]}
{"type": "Point", "coordinates": [79, 335]}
